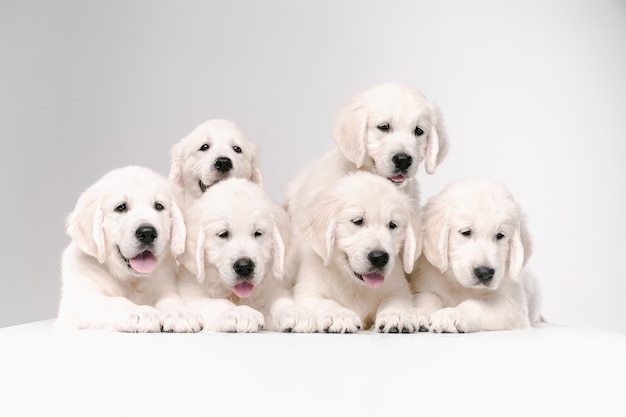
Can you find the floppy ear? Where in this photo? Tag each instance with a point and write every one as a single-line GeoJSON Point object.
{"type": "Point", "coordinates": [411, 249]}
{"type": "Point", "coordinates": [176, 167]}
{"type": "Point", "coordinates": [349, 133]}
{"type": "Point", "coordinates": [520, 250]}
{"type": "Point", "coordinates": [84, 225]}
{"type": "Point", "coordinates": [279, 253]}
{"type": "Point", "coordinates": [257, 174]}
{"type": "Point", "coordinates": [193, 255]}
{"type": "Point", "coordinates": [436, 235]}
{"type": "Point", "coordinates": [199, 257]}
{"type": "Point", "coordinates": [179, 232]}
{"type": "Point", "coordinates": [437, 143]}
{"type": "Point", "coordinates": [319, 228]}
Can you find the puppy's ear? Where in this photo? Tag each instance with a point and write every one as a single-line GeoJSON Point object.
{"type": "Point", "coordinates": [411, 249]}
{"type": "Point", "coordinates": [176, 167]}
{"type": "Point", "coordinates": [84, 225]}
{"type": "Point", "coordinates": [257, 174]}
{"type": "Point", "coordinates": [193, 256]}
{"type": "Point", "coordinates": [319, 228]}
{"type": "Point", "coordinates": [199, 257]}
{"type": "Point", "coordinates": [350, 132]}
{"type": "Point", "coordinates": [279, 253]}
{"type": "Point", "coordinates": [437, 142]}
{"type": "Point", "coordinates": [179, 232]}
{"type": "Point", "coordinates": [521, 248]}
{"type": "Point", "coordinates": [436, 235]}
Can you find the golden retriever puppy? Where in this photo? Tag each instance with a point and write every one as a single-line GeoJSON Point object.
{"type": "Point", "coordinates": [472, 275]}
{"type": "Point", "coordinates": [119, 272]}
{"type": "Point", "coordinates": [213, 151]}
{"type": "Point", "coordinates": [236, 261]}
{"type": "Point", "coordinates": [387, 130]}
{"type": "Point", "coordinates": [359, 239]}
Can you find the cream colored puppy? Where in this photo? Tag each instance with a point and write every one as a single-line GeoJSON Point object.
{"type": "Point", "coordinates": [238, 253]}
{"type": "Point", "coordinates": [472, 275]}
{"type": "Point", "coordinates": [359, 239]}
{"type": "Point", "coordinates": [387, 130]}
{"type": "Point", "coordinates": [213, 151]}
{"type": "Point", "coordinates": [119, 271]}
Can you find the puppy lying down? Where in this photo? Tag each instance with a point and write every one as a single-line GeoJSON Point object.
{"type": "Point", "coordinates": [237, 263]}
{"type": "Point", "coordinates": [119, 272]}
{"type": "Point", "coordinates": [358, 241]}
{"type": "Point", "coordinates": [472, 274]}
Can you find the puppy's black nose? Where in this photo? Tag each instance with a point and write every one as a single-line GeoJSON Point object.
{"type": "Point", "coordinates": [223, 164]}
{"type": "Point", "coordinates": [484, 273]}
{"type": "Point", "coordinates": [146, 234]}
{"type": "Point", "coordinates": [402, 161]}
{"type": "Point", "coordinates": [378, 258]}
{"type": "Point", "coordinates": [243, 266]}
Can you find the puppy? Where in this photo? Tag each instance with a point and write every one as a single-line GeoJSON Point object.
{"type": "Point", "coordinates": [119, 271]}
{"type": "Point", "coordinates": [387, 130]}
{"type": "Point", "coordinates": [472, 275]}
{"type": "Point", "coordinates": [359, 239]}
{"type": "Point", "coordinates": [236, 259]}
{"type": "Point", "coordinates": [213, 151]}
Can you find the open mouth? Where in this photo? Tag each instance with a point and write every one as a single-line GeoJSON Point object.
{"type": "Point", "coordinates": [243, 289]}
{"type": "Point", "coordinates": [202, 186]}
{"type": "Point", "coordinates": [143, 263]}
{"type": "Point", "coordinates": [397, 179]}
{"type": "Point", "coordinates": [372, 280]}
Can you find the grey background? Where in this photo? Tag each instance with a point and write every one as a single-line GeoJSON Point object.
{"type": "Point", "coordinates": [533, 92]}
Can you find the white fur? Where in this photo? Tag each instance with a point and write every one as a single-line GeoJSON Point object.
{"type": "Point", "coordinates": [348, 221]}
{"type": "Point", "coordinates": [361, 145]}
{"type": "Point", "coordinates": [100, 289]}
{"type": "Point", "coordinates": [236, 219]}
{"type": "Point", "coordinates": [191, 164]}
{"type": "Point", "coordinates": [472, 223]}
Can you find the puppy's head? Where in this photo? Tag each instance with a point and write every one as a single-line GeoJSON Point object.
{"type": "Point", "coordinates": [477, 233]}
{"type": "Point", "coordinates": [389, 130]}
{"type": "Point", "coordinates": [363, 225]}
{"type": "Point", "coordinates": [213, 151]}
{"type": "Point", "coordinates": [129, 220]}
{"type": "Point", "coordinates": [236, 233]}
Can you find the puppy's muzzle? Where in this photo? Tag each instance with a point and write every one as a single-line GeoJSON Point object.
{"type": "Point", "coordinates": [402, 161]}
{"type": "Point", "coordinates": [223, 164]}
{"type": "Point", "coordinates": [146, 234]}
{"type": "Point", "coordinates": [378, 258]}
{"type": "Point", "coordinates": [484, 274]}
{"type": "Point", "coordinates": [244, 267]}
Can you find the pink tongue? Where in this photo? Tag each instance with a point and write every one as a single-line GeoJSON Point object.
{"type": "Point", "coordinates": [243, 289]}
{"type": "Point", "coordinates": [397, 178]}
{"type": "Point", "coordinates": [144, 263]}
{"type": "Point", "coordinates": [373, 280]}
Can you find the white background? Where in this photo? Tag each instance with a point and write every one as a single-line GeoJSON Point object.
{"type": "Point", "coordinates": [533, 92]}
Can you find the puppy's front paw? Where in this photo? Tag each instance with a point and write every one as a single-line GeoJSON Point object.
{"type": "Point", "coordinates": [241, 319]}
{"type": "Point", "coordinates": [340, 320]}
{"type": "Point", "coordinates": [448, 320]}
{"type": "Point", "coordinates": [181, 320]}
{"type": "Point", "coordinates": [142, 319]}
{"type": "Point", "coordinates": [397, 321]}
{"type": "Point", "coordinates": [297, 319]}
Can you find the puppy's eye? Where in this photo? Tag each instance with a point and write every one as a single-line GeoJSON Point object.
{"type": "Point", "coordinates": [237, 149]}
{"type": "Point", "coordinates": [384, 127]}
{"type": "Point", "coordinates": [158, 206]}
{"type": "Point", "coordinates": [392, 225]}
{"type": "Point", "coordinates": [358, 221]}
{"type": "Point", "coordinates": [466, 232]}
{"type": "Point", "coordinates": [223, 234]}
{"type": "Point", "coordinates": [204, 147]}
{"type": "Point", "coordinates": [419, 131]}
{"type": "Point", "coordinates": [121, 208]}
{"type": "Point", "coordinates": [499, 236]}
{"type": "Point", "coordinates": [258, 233]}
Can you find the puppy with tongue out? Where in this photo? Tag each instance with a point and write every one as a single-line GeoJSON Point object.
{"type": "Point", "coordinates": [359, 240]}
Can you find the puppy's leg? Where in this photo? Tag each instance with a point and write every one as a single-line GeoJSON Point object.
{"type": "Point", "coordinates": [488, 313]}
{"type": "Point", "coordinates": [425, 304]}
{"type": "Point", "coordinates": [120, 314]}
{"type": "Point", "coordinates": [175, 315]}
{"type": "Point", "coordinates": [287, 316]}
{"type": "Point", "coordinates": [396, 315]}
